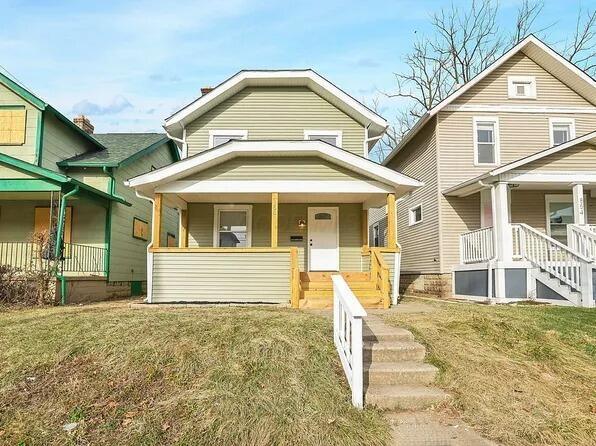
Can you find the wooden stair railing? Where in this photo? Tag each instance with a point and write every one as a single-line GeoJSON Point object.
{"type": "Point", "coordinates": [379, 273]}
{"type": "Point", "coordinates": [294, 278]}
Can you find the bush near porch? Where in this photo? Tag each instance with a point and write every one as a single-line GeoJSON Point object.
{"type": "Point", "coordinates": [521, 375]}
{"type": "Point", "coordinates": [204, 376]}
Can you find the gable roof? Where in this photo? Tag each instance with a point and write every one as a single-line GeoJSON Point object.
{"type": "Point", "coordinates": [121, 148]}
{"type": "Point", "coordinates": [536, 50]}
{"type": "Point", "coordinates": [41, 105]}
{"type": "Point", "coordinates": [270, 78]}
{"type": "Point", "coordinates": [458, 189]}
{"type": "Point", "coordinates": [235, 148]}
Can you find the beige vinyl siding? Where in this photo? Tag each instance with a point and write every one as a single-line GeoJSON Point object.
{"type": "Point", "coordinates": [200, 229]}
{"type": "Point", "coordinates": [25, 152]}
{"type": "Point", "coordinates": [520, 135]}
{"type": "Point", "coordinates": [420, 242]}
{"type": "Point", "coordinates": [579, 158]}
{"type": "Point", "coordinates": [277, 168]}
{"type": "Point", "coordinates": [222, 277]}
{"type": "Point", "coordinates": [94, 177]}
{"type": "Point", "coordinates": [458, 215]}
{"type": "Point", "coordinates": [61, 142]}
{"type": "Point", "coordinates": [275, 113]}
{"type": "Point", "coordinates": [493, 89]}
{"type": "Point", "coordinates": [127, 254]}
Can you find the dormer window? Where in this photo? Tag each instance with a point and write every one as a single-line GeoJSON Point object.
{"type": "Point", "coordinates": [522, 87]}
{"type": "Point", "coordinates": [561, 130]}
{"type": "Point", "coordinates": [219, 137]}
{"type": "Point", "coordinates": [332, 137]}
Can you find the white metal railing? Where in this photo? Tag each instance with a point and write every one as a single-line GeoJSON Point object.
{"type": "Point", "coordinates": [477, 246]}
{"type": "Point", "coordinates": [556, 259]}
{"type": "Point", "coordinates": [347, 336]}
{"type": "Point", "coordinates": [582, 238]}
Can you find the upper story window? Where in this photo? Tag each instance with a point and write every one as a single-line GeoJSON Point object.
{"type": "Point", "coordinates": [12, 125]}
{"type": "Point", "coordinates": [522, 87]}
{"type": "Point", "coordinates": [333, 137]}
{"type": "Point", "coordinates": [561, 130]}
{"type": "Point", "coordinates": [219, 137]}
{"type": "Point", "coordinates": [486, 141]}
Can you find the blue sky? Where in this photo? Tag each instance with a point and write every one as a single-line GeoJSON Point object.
{"type": "Point", "coordinates": [130, 64]}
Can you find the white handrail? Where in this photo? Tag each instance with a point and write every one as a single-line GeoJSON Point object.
{"type": "Point", "coordinates": [347, 336]}
{"type": "Point", "coordinates": [477, 246]}
{"type": "Point", "coordinates": [582, 238]}
{"type": "Point", "coordinates": [556, 259]}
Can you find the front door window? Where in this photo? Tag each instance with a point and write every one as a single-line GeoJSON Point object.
{"type": "Point", "coordinates": [560, 214]}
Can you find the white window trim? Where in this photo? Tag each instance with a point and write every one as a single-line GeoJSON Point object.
{"type": "Point", "coordinates": [553, 121]}
{"type": "Point", "coordinates": [240, 134]}
{"type": "Point", "coordinates": [232, 207]}
{"type": "Point", "coordinates": [411, 214]}
{"type": "Point", "coordinates": [337, 133]}
{"type": "Point", "coordinates": [378, 228]}
{"type": "Point", "coordinates": [526, 79]}
{"type": "Point", "coordinates": [495, 120]}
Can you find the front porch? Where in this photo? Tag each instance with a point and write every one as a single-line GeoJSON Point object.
{"type": "Point", "coordinates": [538, 241]}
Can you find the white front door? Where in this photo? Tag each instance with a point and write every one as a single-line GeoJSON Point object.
{"type": "Point", "coordinates": [323, 239]}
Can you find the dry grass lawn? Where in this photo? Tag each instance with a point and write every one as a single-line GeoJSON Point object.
{"type": "Point", "coordinates": [521, 375]}
{"type": "Point", "coordinates": [204, 376]}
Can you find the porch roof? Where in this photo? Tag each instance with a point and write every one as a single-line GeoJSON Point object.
{"type": "Point", "coordinates": [510, 172]}
{"type": "Point", "coordinates": [379, 179]}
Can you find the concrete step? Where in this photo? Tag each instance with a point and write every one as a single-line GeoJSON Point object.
{"type": "Point", "coordinates": [405, 372]}
{"type": "Point", "coordinates": [383, 333]}
{"type": "Point", "coordinates": [404, 397]}
{"type": "Point", "coordinates": [393, 351]}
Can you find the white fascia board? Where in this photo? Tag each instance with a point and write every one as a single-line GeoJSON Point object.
{"type": "Point", "coordinates": [235, 148]}
{"type": "Point", "coordinates": [543, 153]}
{"type": "Point", "coordinates": [241, 79]}
{"type": "Point", "coordinates": [281, 186]}
{"type": "Point", "coordinates": [550, 177]}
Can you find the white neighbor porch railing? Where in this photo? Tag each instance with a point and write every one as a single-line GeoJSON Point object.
{"type": "Point", "coordinates": [477, 246]}
{"type": "Point", "coordinates": [347, 335]}
{"type": "Point", "coordinates": [555, 258]}
{"type": "Point", "coordinates": [582, 238]}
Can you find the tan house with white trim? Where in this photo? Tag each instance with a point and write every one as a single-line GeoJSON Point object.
{"type": "Point", "coordinates": [273, 189]}
{"type": "Point", "coordinates": [508, 203]}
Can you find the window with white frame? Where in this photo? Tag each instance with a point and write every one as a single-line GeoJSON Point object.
{"type": "Point", "coordinates": [561, 130]}
{"type": "Point", "coordinates": [415, 215]}
{"type": "Point", "coordinates": [486, 141]}
{"type": "Point", "coordinates": [522, 87]}
{"type": "Point", "coordinates": [333, 137]}
{"type": "Point", "coordinates": [219, 137]}
{"type": "Point", "coordinates": [232, 226]}
{"type": "Point", "coordinates": [376, 235]}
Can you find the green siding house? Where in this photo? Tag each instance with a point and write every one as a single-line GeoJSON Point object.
{"type": "Point", "coordinates": [273, 188]}
{"type": "Point", "coordinates": [60, 179]}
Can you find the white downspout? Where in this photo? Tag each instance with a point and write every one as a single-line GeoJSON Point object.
{"type": "Point", "coordinates": [181, 141]}
{"type": "Point", "coordinates": [149, 253]}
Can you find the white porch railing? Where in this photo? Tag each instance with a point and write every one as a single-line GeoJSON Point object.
{"type": "Point", "coordinates": [477, 246]}
{"type": "Point", "coordinates": [582, 238]}
{"type": "Point", "coordinates": [347, 335]}
{"type": "Point", "coordinates": [555, 258]}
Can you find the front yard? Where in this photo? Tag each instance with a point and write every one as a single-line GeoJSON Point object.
{"type": "Point", "coordinates": [107, 374]}
{"type": "Point", "coordinates": [521, 375]}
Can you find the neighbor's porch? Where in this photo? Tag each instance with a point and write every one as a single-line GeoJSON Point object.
{"type": "Point", "coordinates": [272, 247]}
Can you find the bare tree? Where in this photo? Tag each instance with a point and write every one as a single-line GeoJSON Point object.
{"type": "Point", "coordinates": [581, 49]}
{"type": "Point", "coordinates": [527, 13]}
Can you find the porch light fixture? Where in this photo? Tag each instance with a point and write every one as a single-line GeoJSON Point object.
{"type": "Point", "coordinates": [301, 223]}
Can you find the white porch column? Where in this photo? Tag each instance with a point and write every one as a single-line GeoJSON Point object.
{"type": "Point", "coordinates": [503, 238]}
{"type": "Point", "coordinates": [579, 209]}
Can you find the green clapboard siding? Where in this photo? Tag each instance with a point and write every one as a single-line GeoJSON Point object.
{"type": "Point", "coordinates": [128, 255]}
{"type": "Point", "coordinates": [25, 152]}
{"type": "Point", "coordinates": [277, 168]}
{"type": "Point", "coordinates": [275, 113]}
{"type": "Point", "coordinates": [221, 277]}
{"type": "Point", "coordinates": [200, 229]}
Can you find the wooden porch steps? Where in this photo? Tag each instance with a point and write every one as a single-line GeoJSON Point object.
{"type": "Point", "coordinates": [317, 289]}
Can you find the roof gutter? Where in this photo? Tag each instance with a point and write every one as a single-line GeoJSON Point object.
{"type": "Point", "coordinates": [149, 252]}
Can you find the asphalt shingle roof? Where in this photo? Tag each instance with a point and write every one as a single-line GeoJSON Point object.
{"type": "Point", "coordinates": [120, 146]}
